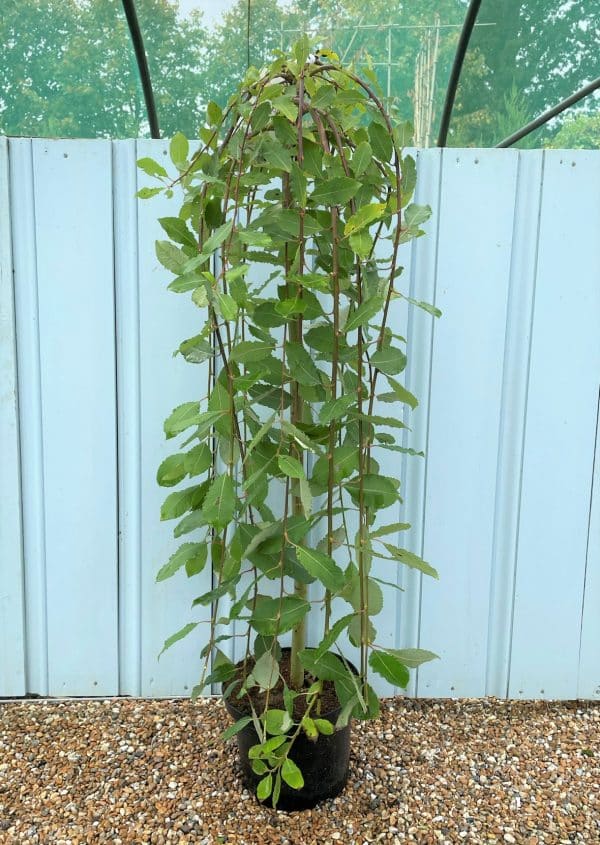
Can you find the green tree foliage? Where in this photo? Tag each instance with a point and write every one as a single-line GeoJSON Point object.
{"type": "Point", "coordinates": [68, 68]}
{"type": "Point", "coordinates": [546, 49]}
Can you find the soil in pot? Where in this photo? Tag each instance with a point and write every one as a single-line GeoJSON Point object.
{"type": "Point", "coordinates": [323, 762]}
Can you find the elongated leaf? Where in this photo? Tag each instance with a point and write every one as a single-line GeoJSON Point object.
{"type": "Point", "coordinates": [276, 155]}
{"type": "Point", "coordinates": [179, 635]}
{"type": "Point", "coordinates": [332, 636]}
{"type": "Point", "coordinates": [181, 418]}
{"type": "Point", "coordinates": [336, 408]}
{"type": "Point", "coordinates": [305, 496]}
{"type": "Point", "coordinates": [248, 351]}
{"type": "Point", "coordinates": [336, 191]}
{"type": "Point", "coordinates": [196, 552]}
{"type": "Point", "coordinates": [301, 365]}
{"type": "Point", "coordinates": [266, 671]}
{"type": "Point", "coordinates": [264, 788]}
{"type": "Point", "coordinates": [412, 657]}
{"type": "Point", "coordinates": [219, 505]}
{"type": "Point", "coordinates": [389, 360]}
{"type": "Point", "coordinates": [378, 491]}
{"type": "Point", "coordinates": [411, 560]}
{"type": "Point", "coordinates": [389, 667]}
{"type": "Point", "coordinates": [177, 230]}
{"type": "Point", "coordinates": [151, 167]}
{"type": "Point", "coordinates": [277, 722]}
{"type": "Point", "coordinates": [366, 215]}
{"type": "Point", "coordinates": [179, 148]}
{"type": "Point", "coordinates": [260, 434]}
{"type": "Point", "coordinates": [217, 238]}
{"type": "Point", "coordinates": [171, 471]}
{"type": "Point", "coordinates": [380, 141]}
{"type": "Point", "coordinates": [323, 567]}
{"type": "Point", "coordinates": [171, 257]}
{"type": "Point", "coordinates": [292, 774]}
{"type": "Point", "coordinates": [180, 501]}
{"type": "Point", "coordinates": [389, 529]}
{"type": "Point", "coordinates": [361, 158]}
{"type": "Point", "coordinates": [414, 215]}
{"type": "Point", "coordinates": [234, 729]}
{"type": "Point", "coordinates": [291, 466]}
{"type": "Point", "coordinates": [197, 460]}
{"type": "Point", "coordinates": [364, 313]}
{"type": "Point", "coordinates": [290, 610]}
{"type": "Point", "coordinates": [400, 394]}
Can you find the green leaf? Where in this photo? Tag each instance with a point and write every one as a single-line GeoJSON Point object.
{"type": "Point", "coordinates": [323, 567]}
{"type": "Point", "coordinates": [276, 155]}
{"type": "Point", "coordinates": [248, 351]}
{"type": "Point", "coordinates": [378, 490]}
{"type": "Point", "coordinates": [301, 365]}
{"type": "Point", "coordinates": [302, 49]}
{"type": "Point", "coordinates": [219, 505]}
{"type": "Point", "coordinates": [179, 148]}
{"type": "Point", "coordinates": [197, 460]}
{"type": "Point", "coordinates": [171, 471]}
{"type": "Point", "coordinates": [336, 191]}
{"type": "Point", "coordinates": [181, 418]}
{"type": "Point", "coordinates": [147, 193]}
{"type": "Point", "coordinates": [266, 671]}
{"type": "Point", "coordinates": [263, 790]}
{"type": "Point", "coordinates": [305, 496]}
{"type": "Point", "coordinates": [177, 503]}
{"type": "Point", "coordinates": [290, 611]}
{"type": "Point", "coordinates": [286, 106]}
{"type": "Point", "coordinates": [365, 312]}
{"type": "Point", "coordinates": [178, 231]}
{"type": "Point", "coordinates": [183, 632]}
{"type": "Point", "coordinates": [366, 215]}
{"type": "Point", "coordinates": [412, 657]}
{"type": "Point", "coordinates": [389, 360]}
{"type": "Point", "coordinates": [332, 635]}
{"type": "Point", "coordinates": [152, 168]}
{"type": "Point", "coordinates": [361, 158]}
{"type": "Point", "coordinates": [185, 283]}
{"type": "Point", "coordinates": [291, 467]}
{"type": "Point", "coordinates": [336, 408]}
{"type": "Point", "coordinates": [277, 722]}
{"type": "Point", "coordinates": [260, 434]}
{"type": "Point", "coordinates": [425, 306]}
{"type": "Point", "coordinates": [292, 774]}
{"type": "Point", "coordinates": [389, 529]}
{"type": "Point", "coordinates": [217, 238]}
{"type": "Point", "coordinates": [171, 257]}
{"type": "Point", "coordinates": [381, 141]}
{"type": "Point", "coordinates": [414, 215]}
{"type": "Point", "coordinates": [361, 243]}
{"type": "Point", "coordinates": [324, 727]}
{"type": "Point", "coordinates": [390, 668]}
{"type": "Point", "coordinates": [226, 305]}
{"type": "Point", "coordinates": [234, 729]}
{"type": "Point", "coordinates": [411, 560]}
{"type": "Point", "coordinates": [196, 552]}
{"type": "Point", "coordinates": [400, 393]}
{"type": "Point", "coordinates": [213, 113]}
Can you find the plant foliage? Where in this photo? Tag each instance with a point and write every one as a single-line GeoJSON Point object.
{"type": "Point", "coordinates": [295, 209]}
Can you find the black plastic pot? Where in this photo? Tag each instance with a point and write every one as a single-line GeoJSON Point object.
{"type": "Point", "coordinates": [323, 762]}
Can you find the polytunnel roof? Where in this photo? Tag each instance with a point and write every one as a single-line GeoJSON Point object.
{"type": "Point", "coordinates": [464, 73]}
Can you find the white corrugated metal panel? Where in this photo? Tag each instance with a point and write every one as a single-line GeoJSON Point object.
{"type": "Point", "coordinates": [505, 504]}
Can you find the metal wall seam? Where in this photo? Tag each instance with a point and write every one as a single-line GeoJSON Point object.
{"type": "Point", "coordinates": [127, 332]}
{"type": "Point", "coordinates": [517, 355]}
{"type": "Point", "coordinates": [30, 413]}
{"type": "Point", "coordinates": [12, 619]}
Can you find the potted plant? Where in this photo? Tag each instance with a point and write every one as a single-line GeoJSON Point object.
{"type": "Point", "coordinates": [295, 209]}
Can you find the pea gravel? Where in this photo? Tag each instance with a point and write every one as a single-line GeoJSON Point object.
{"type": "Point", "coordinates": [155, 772]}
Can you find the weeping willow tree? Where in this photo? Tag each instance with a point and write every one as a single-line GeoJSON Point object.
{"type": "Point", "coordinates": [295, 209]}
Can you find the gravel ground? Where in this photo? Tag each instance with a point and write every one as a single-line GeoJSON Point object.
{"type": "Point", "coordinates": [130, 771]}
